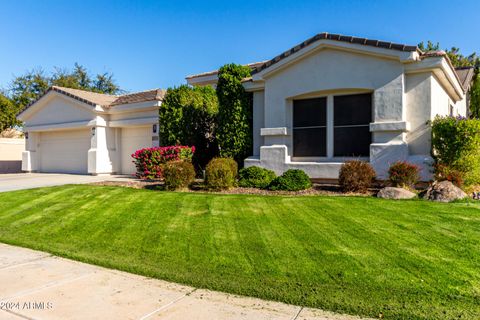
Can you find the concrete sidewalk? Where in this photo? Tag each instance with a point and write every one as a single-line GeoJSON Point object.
{"type": "Point", "coordinates": [36, 285]}
{"type": "Point", "coordinates": [20, 181]}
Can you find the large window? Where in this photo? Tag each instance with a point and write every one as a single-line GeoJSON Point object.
{"type": "Point", "coordinates": [310, 128]}
{"type": "Point", "coordinates": [346, 133]}
{"type": "Point", "coordinates": [352, 115]}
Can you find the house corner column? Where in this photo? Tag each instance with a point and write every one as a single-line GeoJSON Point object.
{"type": "Point", "coordinates": [30, 155]}
{"type": "Point", "coordinates": [389, 126]}
{"type": "Point", "coordinates": [98, 156]}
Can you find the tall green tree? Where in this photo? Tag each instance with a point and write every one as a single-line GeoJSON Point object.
{"type": "Point", "coordinates": [234, 133]}
{"type": "Point", "coordinates": [188, 117]}
{"type": "Point", "coordinates": [459, 60]}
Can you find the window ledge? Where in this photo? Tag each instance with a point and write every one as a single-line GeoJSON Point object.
{"type": "Point", "coordinates": [402, 126]}
{"type": "Point", "coordinates": [281, 131]}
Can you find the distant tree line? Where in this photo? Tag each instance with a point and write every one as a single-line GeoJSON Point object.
{"type": "Point", "coordinates": [28, 87]}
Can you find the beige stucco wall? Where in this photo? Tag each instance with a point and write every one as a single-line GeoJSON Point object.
{"type": "Point", "coordinates": [11, 155]}
{"type": "Point", "coordinates": [419, 110]}
{"type": "Point", "coordinates": [11, 149]}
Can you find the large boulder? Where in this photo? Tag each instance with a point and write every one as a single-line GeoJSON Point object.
{"type": "Point", "coordinates": [444, 191]}
{"type": "Point", "coordinates": [395, 193]}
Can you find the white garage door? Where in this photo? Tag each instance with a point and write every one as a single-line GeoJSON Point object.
{"type": "Point", "coordinates": [64, 151]}
{"type": "Point", "coordinates": [132, 140]}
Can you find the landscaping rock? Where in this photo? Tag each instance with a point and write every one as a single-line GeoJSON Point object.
{"type": "Point", "coordinates": [444, 191]}
{"type": "Point", "coordinates": [395, 193]}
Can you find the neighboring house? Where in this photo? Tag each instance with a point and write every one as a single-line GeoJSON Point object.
{"type": "Point", "coordinates": [76, 131]}
{"type": "Point", "coordinates": [333, 98]}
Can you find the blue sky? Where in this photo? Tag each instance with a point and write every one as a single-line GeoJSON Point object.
{"type": "Point", "coordinates": [151, 44]}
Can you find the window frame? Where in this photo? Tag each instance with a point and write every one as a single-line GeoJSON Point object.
{"type": "Point", "coordinates": [330, 126]}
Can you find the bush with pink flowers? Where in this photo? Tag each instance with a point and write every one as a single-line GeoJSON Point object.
{"type": "Point", "coordinates": [149, 161]}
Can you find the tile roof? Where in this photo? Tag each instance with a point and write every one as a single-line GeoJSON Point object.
{"type": "Point", "coordinates": [91, 98]}
{"type": "Point", "coordinates": [149, 95]}
{"type": "Point", "coordinates": [465, 74]}
{"type": "Point", "coordinates": [105, 100]}
{"type": "Point", "coordinates": [337, 37]}
{"type": "Point", "coordinates": [259, 66]}
{"type": "Point", "coordinates": [252, 65]}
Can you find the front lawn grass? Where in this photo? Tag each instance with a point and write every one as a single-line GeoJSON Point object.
{"type": "Point", "coordinates": [357, 255]}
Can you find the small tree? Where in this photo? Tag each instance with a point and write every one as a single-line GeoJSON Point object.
{"type": "Point", "coordinates": [234, 132]}
{"type": "Point", "coordinates": [188, 117]}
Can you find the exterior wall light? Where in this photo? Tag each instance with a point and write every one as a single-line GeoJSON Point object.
{"type": "Point", "coordinates": [154, 128]}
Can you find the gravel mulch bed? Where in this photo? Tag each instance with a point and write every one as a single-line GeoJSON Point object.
{"type": "Point", "coordinates": [198, 186]}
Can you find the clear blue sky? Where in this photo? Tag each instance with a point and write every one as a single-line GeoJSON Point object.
{"type": "Point", "coordinates": [150, 44]}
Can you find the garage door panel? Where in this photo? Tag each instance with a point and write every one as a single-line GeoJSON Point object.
{"type": "Point", "coordinates": [64, 151]}
{"type": "Point", "coordinates": [133, 139]}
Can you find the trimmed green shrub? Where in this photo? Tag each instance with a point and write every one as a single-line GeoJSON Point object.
{"type": "Point", "coordinates": [234, 133]}
{"type": "Point", "coordinates": [255, 177]}
{"type": "Point", "coordinates": [456, 145]}
{"type": "Point", "coordinates": [356, 176]}
{"type": "Point", "coordinates": [291, 180]}
{"type": "Point", "coordinates": [221, 173]}
{"type": "Point", "coordinates": [403, 174]}
{"type": "Point", "coordinates": [178, 174]}
{"type": "Point", "coordinates": [188, 117]}
{"type": "Point", "coordinates": [149, 161]}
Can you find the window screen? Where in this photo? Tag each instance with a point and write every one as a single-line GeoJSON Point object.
{"type": "Point", "coordinates": [352, 115]}
{"type": "Point", "coordinates": [310, 127]}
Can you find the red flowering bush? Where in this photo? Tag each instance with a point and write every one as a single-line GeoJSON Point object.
{"type": "Point", "coordinates": [403, 174]}
{"type": "Point", "coordinates": [149, 161]}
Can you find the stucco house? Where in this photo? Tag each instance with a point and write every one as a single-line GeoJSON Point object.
{"type": "Point", "coordinates": [333, 98]}
{"type": "Point", "coordinates": [75, 131]}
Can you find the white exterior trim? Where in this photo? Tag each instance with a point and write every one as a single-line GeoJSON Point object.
{"type": "Point", "coordinates": [274, 131]}
{"type": "Point", "coordinates": [132, 122]}
{"type": "Point", "coordinates": [402, 126]}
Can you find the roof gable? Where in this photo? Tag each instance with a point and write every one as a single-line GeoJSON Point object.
{"type": "Point", "coordinates": [57, 108]}
{"type": "Point", "coordinates": [339, 38]}
{"type": "Point", "coordinates": [465, 75]}
{"type": "Point", "coordinates": [100, 99]}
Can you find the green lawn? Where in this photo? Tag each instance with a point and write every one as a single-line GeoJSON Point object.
{"type": "Point", "coordinates": [365, 256]}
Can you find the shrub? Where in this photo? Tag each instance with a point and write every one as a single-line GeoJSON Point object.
{"type": "Point", "coordinates": [403, 174]}
{"type": "Point", "coordinates": [356, 176]}
{"type": "Point", "coordinates": [149, 161]}
{"type": "Point", "coordinates": [443, 172]}
{"type": "Point", "coordinates": [234, 133]}
{"type": "Point", "coordinates": [188, 117]}
{"type": "Point", "coordinates": [291, 180]}
{"type": "Point", "coordinates": [221, 173]}
{"type": "Point", "coordinates": [255, 177]}
{"type": "Point", "coordinates": [178, 174]}
{"type": "Point", "coordinates": [456, 145]}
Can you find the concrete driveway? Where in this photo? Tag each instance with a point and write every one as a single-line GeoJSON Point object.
{"type": "Point", "coordinates": [37, 285]}
{"type": "Point", "coordinates": [19, 181]}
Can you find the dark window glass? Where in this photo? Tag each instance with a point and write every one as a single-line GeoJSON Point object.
{"type": "Point", "coordinates": [352, 115]}
{"type": "Point", "coordinates": [310, 112]}
{"type": "Point", "coordinates": [309, 127]}
{"type": "Point", "coordinates": [352, 141]}
{"type": "Point", "coordinates": [352, 109]}
{"type": "Point", "coordinates": [310, 142]}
